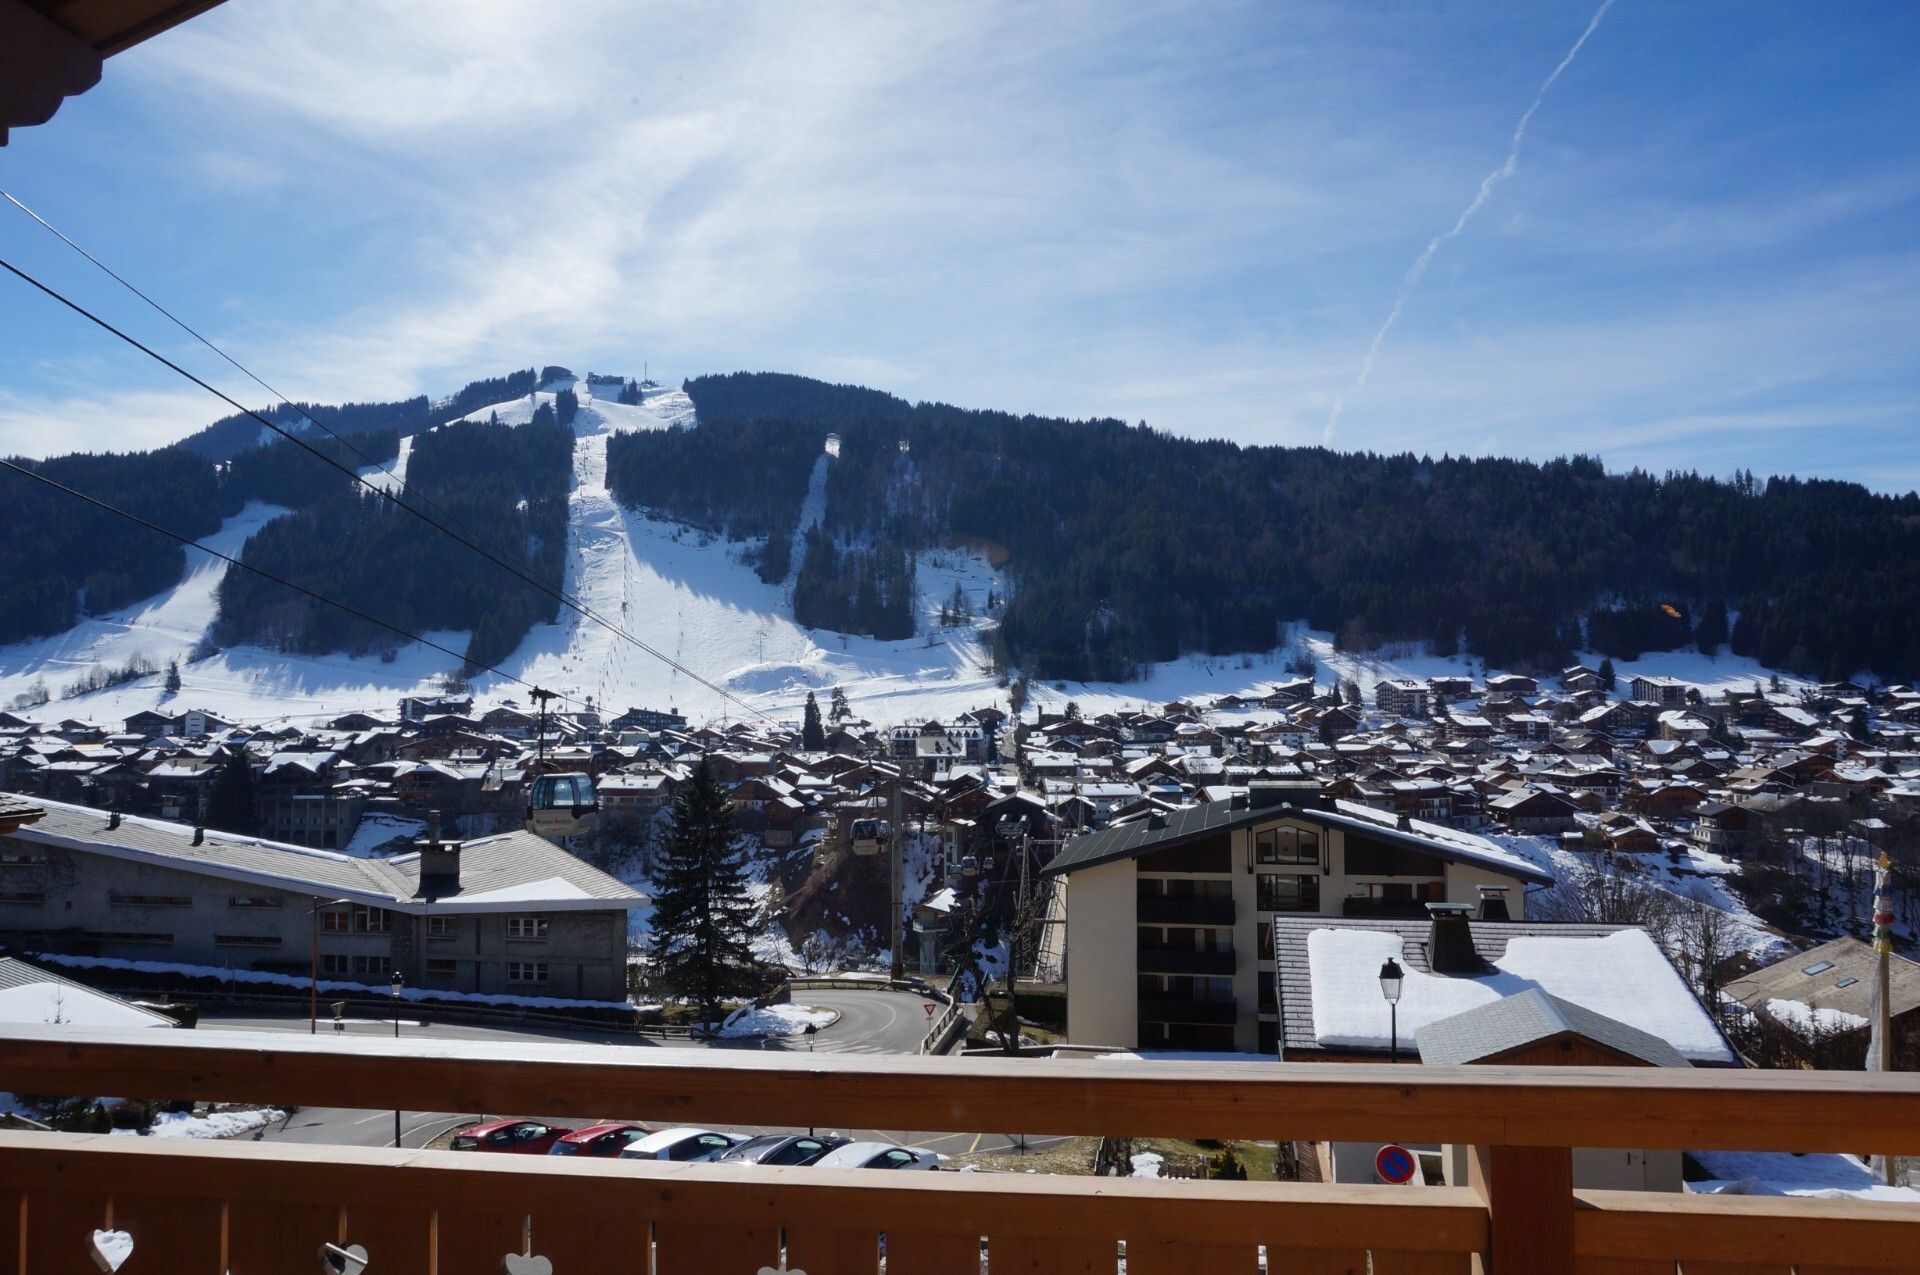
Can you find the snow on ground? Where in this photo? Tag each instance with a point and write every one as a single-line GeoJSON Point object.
{"type": "Point", "coordinates": [1812, 1018]}
{"type": "Point", "coordinates": [326, 984]}
{"type": "Point", "coordinates": [214, 1124]}
{"type": "Point", "coordinates": [774, 1020]}
{"type": "Point", "coordinates": [392, 478]}
{"type": "Point", "coordinates": [1146, 1164]}
{"type": "Point", "coordinates": [162, 628]}
{"type": "Point", "coordinates": [692, 597]}
{"type": "Point", "coordinates": [1778, 1173]}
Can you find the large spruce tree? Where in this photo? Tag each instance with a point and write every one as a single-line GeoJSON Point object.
{"type": "Point", "coordinates": [813, 736]}
{"type": "Point", "coordinates": [230, 801]}
{"type": "Point", "coordinates": [702, 914]}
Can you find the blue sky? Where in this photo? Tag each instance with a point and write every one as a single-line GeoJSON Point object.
{"type": "Point", "coordinates": [1707, 254]}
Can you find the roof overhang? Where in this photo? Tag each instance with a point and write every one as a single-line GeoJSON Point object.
{"type": "Point", "coordinates": [51, 50]}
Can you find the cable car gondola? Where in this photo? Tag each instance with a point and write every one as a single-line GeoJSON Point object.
{"type": "Point", "coordinates": [869, 835]}
{"type": "Point", "coordinates": [561, 806]}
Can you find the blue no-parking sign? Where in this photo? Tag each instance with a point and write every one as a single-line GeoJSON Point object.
{"type": "Point", "coordinates": [1395, 1165]}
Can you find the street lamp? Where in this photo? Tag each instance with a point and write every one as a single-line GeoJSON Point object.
{"type": "Point", "coordinates": [313, 972]}
{"type": "Point", "coordinates": [396, 984]}
{"type": "Point", "coordinates": [1391, 977]}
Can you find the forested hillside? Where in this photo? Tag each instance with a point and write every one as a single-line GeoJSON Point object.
{"type": "Point", "coordinates": [505, 487]}
{"type": "Point", "coordinates": [1130, 546]}
{"type": "Point", "coordinates": [61, 560]}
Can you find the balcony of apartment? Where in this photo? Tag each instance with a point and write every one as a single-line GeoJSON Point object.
{"type": "Point", "coordinates": [1155, 959]}
{"type": "Point", "coordinates": [267, 1208]}
{"type": "Point", "coordinates": [1185, 1009]}
{"type": "Point", "coordinates": [1387, 909]}
{"type": "Point", "coordinates": [1186, 910]}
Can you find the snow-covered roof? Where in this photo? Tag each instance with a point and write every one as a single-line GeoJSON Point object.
{"type": "Point", "coordinates": [1621, 975]}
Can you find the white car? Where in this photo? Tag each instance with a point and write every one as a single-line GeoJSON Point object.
{"type": "Point", "coordinates": [877, 1155]}
{"type": "Point", "coordinates": [679, 1144]}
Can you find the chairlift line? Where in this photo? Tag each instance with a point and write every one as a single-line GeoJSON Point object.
{"type": "Point", "coordinates": [558, 595]}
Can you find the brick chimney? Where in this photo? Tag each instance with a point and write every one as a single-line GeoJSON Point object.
{"type": "Point", "coordinates": [1450, 941]}
{"type": "Point", "coordinates": [439, 861]}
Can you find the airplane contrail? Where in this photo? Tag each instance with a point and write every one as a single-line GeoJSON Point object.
{"type": "Point", "coordinates": [1420, 263]}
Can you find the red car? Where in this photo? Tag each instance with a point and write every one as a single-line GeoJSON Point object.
{"type": "Point", "coordinates": [607, 1139]}
{"type": "Point", "coordinates": [518, 1137]}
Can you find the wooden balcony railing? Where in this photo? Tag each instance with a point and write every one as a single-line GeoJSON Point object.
{"type": "Point", "coordinates": [266, 1208]}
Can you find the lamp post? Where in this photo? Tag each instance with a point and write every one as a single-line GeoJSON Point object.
{"type": "Point", "coordinates": [1391, 977]}
{"type": "Point", "coordinates": [396, 984]}
{"type": "Point", "coordinates": [313, 953]}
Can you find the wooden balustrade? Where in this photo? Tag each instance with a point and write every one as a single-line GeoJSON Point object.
{"type": "Point", "coordinates": [254, 1208]}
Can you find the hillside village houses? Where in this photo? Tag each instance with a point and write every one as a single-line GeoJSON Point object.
{"type": "Point", "coordinates": [1390, 809]}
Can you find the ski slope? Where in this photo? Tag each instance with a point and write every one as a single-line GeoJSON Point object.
{"type": "Point", "coordinates": [688, 596]}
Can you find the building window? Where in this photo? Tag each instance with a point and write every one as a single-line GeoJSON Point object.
{"type": "Point", "coordinates": [125, 936]}
{"type": "Point", "coordinates": [526, 971]}
{"type": "Point", "coordinates": [120, 900]}
{"type": "Point", "coordinates": [334, 965]}
{"type": "Point", "coordinates": [439, 927]}
{"type": "Point", "coordinates": [246, 940]}
{"type": "Point", "coordinates": [1266, 940]}
{"type": "Point", "coordinates": [23, 896]}
{"type": "Point", "coordinates": [371, 920]}
{"type": "Point", "coordinates": [1278, 893]}
{"type": "Point", "coordinates": [252, 901]}
{"type": "Point", "coordinates": [372, 967]}
{"type": "Point", "coordinates": [442, 967]}
{"type": "Point", "coordinates": [21, 858]}
{"type": "Point", "coordinates": [335, 922]}
{"type": "Point", "coordinates": [527, 927]}
{"type": "Point", "coordinates": [1299, 846]}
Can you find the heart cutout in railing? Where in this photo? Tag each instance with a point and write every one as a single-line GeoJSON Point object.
{"type": "Point", "coordinates": [782, 1269]}
{"type": "Point", "coordinates": [336, 1259]}
{"type": "Point", "coordinates": [109, 1249]}
{"type": "Point", "coordinates": [517, 1264]}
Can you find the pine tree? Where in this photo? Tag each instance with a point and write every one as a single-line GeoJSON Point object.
{"type": "Point", "coordinates": [702, 914]}
{"type": "Point", "coordinates": [840, 710]}
{"type": "Point", "coordinates": [230, 802]}
{"type": "Point", "coordinates": [813, 737]}
{"type": "Point", "coordinates": [173, 677]}
{"type": "Point", "coordinates": [1607, 677]}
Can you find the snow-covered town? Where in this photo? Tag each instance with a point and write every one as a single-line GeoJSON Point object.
{"type": "Point", "coordinates": [830, 639]}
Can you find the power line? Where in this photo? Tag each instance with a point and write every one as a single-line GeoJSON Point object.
{"type": "Point", "coordinates": [384, 494]}
{"type": "Point", "coordinates": [190, 542]}
{"type": "Point", "coordinates": [191, 331]}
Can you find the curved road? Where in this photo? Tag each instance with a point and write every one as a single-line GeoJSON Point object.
{"type": "Point", "coordinates": [870, 1022]}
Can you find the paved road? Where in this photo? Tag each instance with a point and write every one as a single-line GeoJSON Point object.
{"type": "Point", "coordinates": [870, 1022]}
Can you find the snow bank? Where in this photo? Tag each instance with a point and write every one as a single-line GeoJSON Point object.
{"type": "Point", "coordinates": [1623, 976]}
{"type": "Point", "coordinates": [327, 985]}
{"type": "Point", "coordinates": [214, 1124]}
{"type": "Point", "coordinates": [774, 1020]}
{"type": "Point", "coordinates": [1813, 1017]}
{"type": "Point", "coordinates": [1146, 1164]}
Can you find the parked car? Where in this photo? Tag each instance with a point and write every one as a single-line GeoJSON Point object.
{"type": "Point", "coordinates": [781, 1148]}
{"type": "Point", "coordinates": [608, 1139]}
{"type": "Point", "coordinates": [877, 1155]}
{"type": "Point", "coordinates": [518, 1137]}
{"type": "Point", "coordinates": [680, 1144]}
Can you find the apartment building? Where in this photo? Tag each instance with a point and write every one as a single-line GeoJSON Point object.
{"type": "Point", "coordinates": [1169, 919]}
{"type": "Point", "coordinates": [511, 914]}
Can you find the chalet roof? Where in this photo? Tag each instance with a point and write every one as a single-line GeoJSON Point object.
{"type": "Point", "coordinates": [1671, 1002]}
{"type": "Point", "coordinates": [1837, 975]}
{"type": "Point", "coordinates": [1193, 823]}
{"type": "Point", "coordinates": [1532, 1017]}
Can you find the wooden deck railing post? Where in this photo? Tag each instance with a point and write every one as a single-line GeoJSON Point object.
{"type": "Point", "coordinates": [1529, 1196]}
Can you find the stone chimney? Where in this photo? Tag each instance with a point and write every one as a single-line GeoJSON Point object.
{"type": "Point", "coordinates": [439, 861]}
{"type": "Point", "coordinates": [1493, 903]}
{"type": "Point", "coordinates": [1450, 941]}
{"type": "Point", "coordinates": [199, 836]}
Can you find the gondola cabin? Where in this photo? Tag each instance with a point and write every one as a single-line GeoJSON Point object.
{"type": "Point", "coordinates": [561, 806]}
{"type": "Point", "coordinates": [868, 836]}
